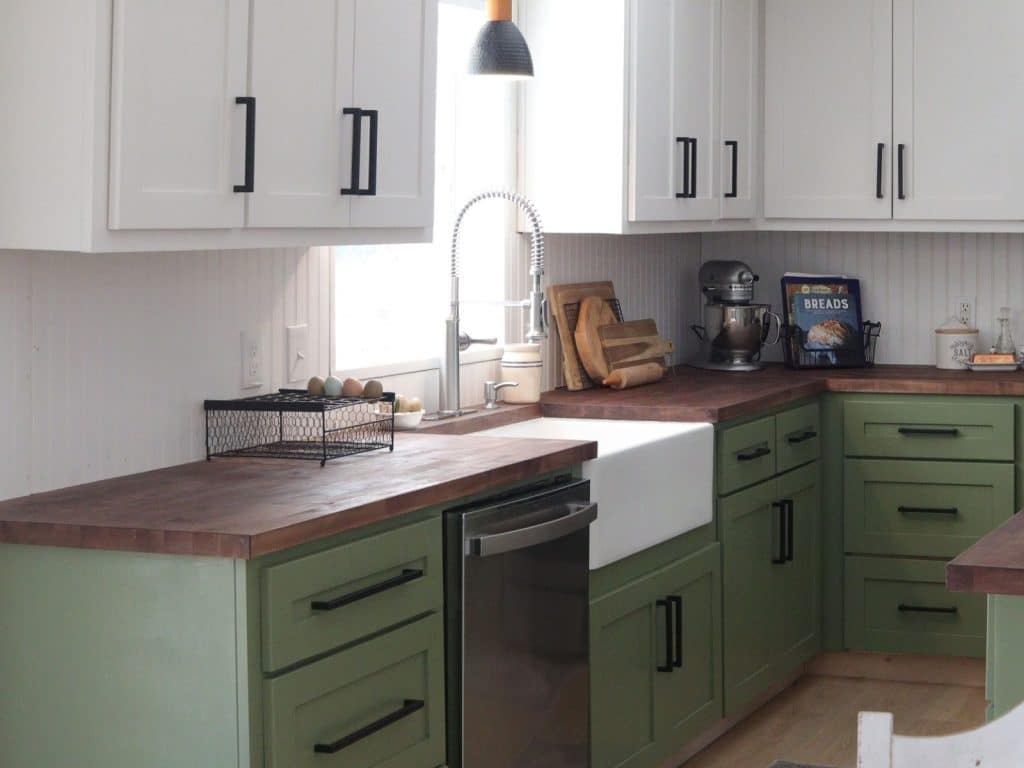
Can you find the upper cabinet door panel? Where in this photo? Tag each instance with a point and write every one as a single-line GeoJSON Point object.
{"type": "Point", "coordinates": [302, 79]}
{"type": "Point", "coordinates": [828, 105]}
{"type": "Point", "coordinates": [176, 134]}
{"type": "Point", "coordinates": [740, 107]}
{"type": "Point", "coordinates": [957, 82]}
{"type": "Point", "coordinates": [395, 84]}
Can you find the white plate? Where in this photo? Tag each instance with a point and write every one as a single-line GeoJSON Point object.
{"type": "Point", "coordinates": [994, 367]}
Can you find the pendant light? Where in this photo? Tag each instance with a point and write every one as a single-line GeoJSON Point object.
{"type": "Point", "coordinates": [500, 49]}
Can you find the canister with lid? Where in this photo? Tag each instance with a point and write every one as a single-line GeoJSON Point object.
{"type": "Point", "coordinates": [521, 363]}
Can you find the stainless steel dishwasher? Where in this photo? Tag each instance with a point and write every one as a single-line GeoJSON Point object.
{"type": "Point", "coordinates": [517, 642]}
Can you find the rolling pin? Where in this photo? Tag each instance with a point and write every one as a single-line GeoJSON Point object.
{"type": "Point", "coordinates": [634, 376]}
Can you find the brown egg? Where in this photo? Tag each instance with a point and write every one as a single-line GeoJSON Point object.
{"type": "Point", "coordinates": [373, 389]}
{"type": "Point", "coordinates": [352, 388]}
{"type": "Point", "coordinates": [400, 401]}
{"type": "Point", "coordinates": [315, 387]}
{"type": "Point", "coordinates": [413, 405]}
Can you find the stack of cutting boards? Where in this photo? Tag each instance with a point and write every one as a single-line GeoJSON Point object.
{"type": "Point", "coordinates": [611, 352]}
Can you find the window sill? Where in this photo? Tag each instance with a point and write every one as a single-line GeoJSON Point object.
{"type": "Point", "coordinates": [472, 356]}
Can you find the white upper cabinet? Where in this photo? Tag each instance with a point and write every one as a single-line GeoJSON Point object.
{"type": "Point", "coordinates": [740, 67]}
{"type": "Point", "coordinates": [828, 109]}
{"type": "Point", "coordinates": [958, 81]}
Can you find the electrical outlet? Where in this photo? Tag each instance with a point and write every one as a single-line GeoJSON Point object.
{"type": "Point", "coordinates": [252, 360]}
{"type": "Point", "coordinates": [963, 310]}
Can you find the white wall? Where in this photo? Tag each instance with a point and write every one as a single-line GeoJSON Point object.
{"type": "Point", "coordinates": [908, 281]}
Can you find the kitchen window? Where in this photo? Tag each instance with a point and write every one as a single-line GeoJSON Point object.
{"type": "Point", "coordinates": [390, 301]}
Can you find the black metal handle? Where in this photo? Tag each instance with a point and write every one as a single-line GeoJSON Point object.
{"type": "Point", "coordinates": [685, 141]}
{"type": "Point", "coordinates": [901, 151]}
{"type": "Point", "coordinates": [357, 149]}
{"type": "Point", "coordinates": [758, 453]}
{"type": "Point", "coordinates": [407, 575]}
{"type": "Point", "coordinates": [371, 186]}
{"type": "Point", "coordinates": [903, 608]}
{"type": "Point", "coordinates": [879, 192]}
{"type": "Point", "coordinates": [735, 147]}
{"type": "Point", "coordinates": [803, 437]}
{"type": "Point", "coordinates": [790, 528]}
{"type": "Point", "coordinates": [669, 665]}
{"type": "Point", "coordinates": [408, 707]}
{"type": "Point", "coordinates": [783, 549]}
{"type": "Point", "coordinates": [929, 431]}
{"type": "Point", "coordinates": [677, 602]}
{"type": "Point", "coordinates": [693, 168]}
{"type": "Point", "coordinates": [929, 510]}
{"type": "Point", "coordinates": [250, 144]}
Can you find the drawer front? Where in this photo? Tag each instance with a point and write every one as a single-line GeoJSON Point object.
{"type": "Point", "coordinates": [379, 704]}
{"type": "Point", "coordinates": [746, 454]}
{"type": "Point", "coordinates": [797, 437]}
{"type": "Point", "coordinates": [902, 606]}
{"type": "Point", "coordinates": [905, 430]}
{"type": "Point", "coordinates": [923, 508]}
{"type": "Point", "coordinates": [323, 601]}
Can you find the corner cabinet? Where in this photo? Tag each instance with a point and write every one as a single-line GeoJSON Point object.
{"type": "Point", "coordinates": [235, 123]}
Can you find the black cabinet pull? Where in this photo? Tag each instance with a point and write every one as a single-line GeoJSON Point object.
{"type": "Point", "coordinates": [803, 437]}
{"type": "Point", "coordinates": [929, 431]}
{"type": "Point", "coordinates": [754, 455]}
{"type": "Point", "coordinates": [686, 167]}
{"type": "Point", "coordinates": [408, 707]}
{"type": "Point", "coordinates": [735, 147]}
{"type": "Point", "coordinates": [250, 144]}
{"type": "Point", "coordinates": [407, 575]}
{"type": "Point", "coordinates": [677, 602]}
{"type": "Point", "coordinates": [879, 192]}
{"type": "Point", "coordinates": [901, 151]}
{"type": "Point", "coordinates": [371, 187]}
{"type": "Point", "coordinates": [781, 559]}
{"type": "Point", "coordinates": [669, 664]}
{"type": "Point", "coordinates": [357, 150]}
{"type": "Point", "coordinates": [904, 608]}
{"type": "Point", "coordinates": [929, 511]}
{"type": "Point", "coordinates": [693, 168]}
{"type": "Point", "coordinates": [790, 528]}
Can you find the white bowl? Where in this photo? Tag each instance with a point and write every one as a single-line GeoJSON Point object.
{"type": "Point", "coordinates": [408, 419]}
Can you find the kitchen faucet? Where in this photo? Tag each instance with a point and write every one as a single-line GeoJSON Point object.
{"type": "Point", "coordinates": [455, 340]}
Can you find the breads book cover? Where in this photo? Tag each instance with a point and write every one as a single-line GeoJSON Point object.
{"type": "Point", "coordinates": [823, 318]}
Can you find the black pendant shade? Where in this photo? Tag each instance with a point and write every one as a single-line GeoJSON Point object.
{"type": "Point", "coordinates": [500, 49]}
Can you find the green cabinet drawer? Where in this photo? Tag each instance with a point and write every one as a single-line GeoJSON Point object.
{"type": "Point", "coordinates": [902, 606]}
{"type": "Point", "coordinates": [746, 454]}
{"type": "Point", "coordinates": [933, 430]}
{"type": "Point", "coordinates": [797, 437]}
{"type": "Point", "coordinates": [923, 508]}
{"type": "Point", "coordinates": [323, 601]}
{"type": "Point", "coordinates": [379, 704]}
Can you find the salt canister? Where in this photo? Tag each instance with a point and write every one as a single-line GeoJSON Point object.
{"type": "Point", "coordinates": [521, 363]}
{"type": "Point", "coordinates": [955, 345]}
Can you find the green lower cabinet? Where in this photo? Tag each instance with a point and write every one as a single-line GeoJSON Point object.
{"type": "Point", "coordinates": [1004, 680]}
{"type": "Point", "coordinates": [802, 596]}
{"type": "Point", "coordinates": [650, 694]}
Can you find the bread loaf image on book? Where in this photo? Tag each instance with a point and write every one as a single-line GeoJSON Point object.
{"type": "Point", "coordinates": [830, 333]}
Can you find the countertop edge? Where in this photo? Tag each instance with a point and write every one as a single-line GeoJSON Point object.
{"type": "Point", "coordinates": [992, 565]}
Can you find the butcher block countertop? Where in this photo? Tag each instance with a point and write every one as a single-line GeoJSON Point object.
{"type": "Point", "coordinates": [691, 394]}
{"type": "Point", "coordinates": [994, 564]}
{"type": "Point", "coordinates": [244, 508]}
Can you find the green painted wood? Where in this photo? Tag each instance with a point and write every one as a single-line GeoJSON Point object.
{"type": "Point", "coordinates": [689, 699]}
{"type": "Point", "coordinates": [982, 496]}
{"type": "Point", "coordinates": [1005, 673]}
{"type": "Point", "coordinates": [984, 430]}
{"type": "Point", "coordinates": [734, 443]}
{"type": "Point", "coordinates": [832, 521]}
{"type": "Point", "coordinates": [797, 436]}
{"type": "Point", "coordinates": [293, 631]}
{"type": "Point", "coordinates": [752, 588]}
{"type": "Point", "coordinates": [118, 660]}
{"type": "Point", "coordinates": [876, 587]}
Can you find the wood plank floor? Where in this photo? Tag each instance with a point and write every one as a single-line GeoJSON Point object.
{"type": "Point", "coordinates": [815, 721]}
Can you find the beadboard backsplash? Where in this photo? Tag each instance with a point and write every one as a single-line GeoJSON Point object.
{"type": "Point", "coordinates": [909, 281]}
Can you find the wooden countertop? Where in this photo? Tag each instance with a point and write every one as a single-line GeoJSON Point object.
{"type": "Point", "coordinates": [994, 565]}
{"type": "Point", "coordinates": [244, 508]}
{"type": "Point", "coordinates": [692, 394]}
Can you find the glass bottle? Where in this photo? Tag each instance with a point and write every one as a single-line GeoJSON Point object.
{"type": "Point", "coordinates": [1004, 344]}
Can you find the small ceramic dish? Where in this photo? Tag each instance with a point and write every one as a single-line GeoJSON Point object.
{"type": "Point", "coordinates": [994, 367]}
{"type": "Point", "coordinates": [408, 420]}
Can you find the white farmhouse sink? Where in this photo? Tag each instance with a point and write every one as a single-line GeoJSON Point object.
{"type": "Point", "coordinates": [652, 480]}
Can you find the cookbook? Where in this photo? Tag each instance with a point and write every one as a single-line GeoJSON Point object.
{"type": "Point", "coordinates": [824, 326]}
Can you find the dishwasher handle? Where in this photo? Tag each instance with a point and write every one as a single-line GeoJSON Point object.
{"type": "Point", "coordinates": [578, 517]}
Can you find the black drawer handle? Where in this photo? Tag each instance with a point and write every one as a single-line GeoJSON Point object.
{"type": "Point", "coordinates": [929, 431]}
{"type": "Point", "coordinates": [669, 664]}
{"type": "Point", "coordinates": [407, 575]}
{"type": "Point", "coordinates": [735, 147]}
{"type": "Point", "coordinates": [929, 511]}
{"type": "Point", "coordinates": [408, 707]}
{"type": "Point", "coordinates": [250, 144]}
{"type": "Point", "coordinates": [783, 554]}
{"type": "Point", "coordinates": [901, 150]}
{"type": "Point", "coordinates": [677, 602]}
{"type": "Point", "coordinates": [903, 608]}
{"type": "Point", "coordinates": [790, 527]}
{"type": "Point", "coordinates": [803, 437]}
{"type": "Point", "coordinates": [689, 167]}
{"type": "Point", "coordinates": [879, 191]}
{"type": "Point", "coordinates": [754, 455]}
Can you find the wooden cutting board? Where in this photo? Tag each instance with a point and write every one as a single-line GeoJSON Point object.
{"type": "Point", "coordinates": [631, 344]}
{"type": "Point", "coordinates": [558, 297]}
{"type": "Point", "coordinates": [595, 313]}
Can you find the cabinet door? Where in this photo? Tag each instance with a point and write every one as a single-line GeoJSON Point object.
{"type": "Point", "coordinates": [828, 107]}
{"type": "Point", "coordinates": [955, 61]}
{"type": "Point", "coordinates": [752, 584]}
{"type": "Point", "coordinates": [301, 79]}
{"type": "Point", "coordinates": [674, 91]}
{"type": "Point", "coordinates": [801, 628]}
{"type": "Point", "coordinates": [176, 134]}
{"type": "Point", "coordinates": [395, 54]}
{"type": "Point", "coordinates": [740, 88]}
{"type": "Point", "coordinates": [689, 699]}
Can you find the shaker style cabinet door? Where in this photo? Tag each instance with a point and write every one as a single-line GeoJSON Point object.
{"type": "Point", "coordinates": [828, 109]}
{"type": "Point", "coordinates": [955, 62]}
{"type": "Point", "coordinates": [177, 136]}
{"type": "Point", "coordinates": [741, 42]}
{"type": "Point", "coordinates": [674, 156]}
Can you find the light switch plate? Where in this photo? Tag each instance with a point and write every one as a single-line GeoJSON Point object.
{"type": "Point", "coordinates": [252, 360]}
{"type": "Point", "coordinates": [298, 354]}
